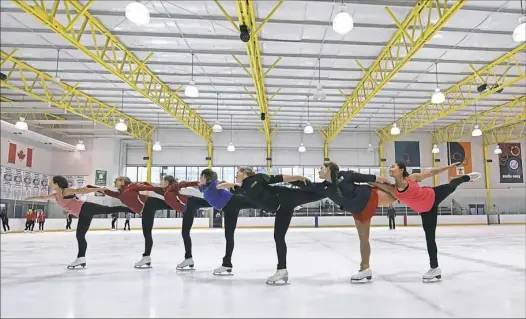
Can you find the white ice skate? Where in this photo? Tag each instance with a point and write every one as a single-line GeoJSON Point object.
{"type": "Point", "coordinates": [432, 275]}
{"type": "Point", "coordinates": [474, 176]}
{"type": "Point", "coordinates": [145, 262]}
{"type": "Point", "coordinates": [281, 277]}
{"type": "Point", "coordinates": [79, 262]}
{"type": "Point", "coordinates": [363, 276]}
{"type": "Point", "coordinates": [223, 271]}
{"type": "Point", "coordinates": [188, 262]}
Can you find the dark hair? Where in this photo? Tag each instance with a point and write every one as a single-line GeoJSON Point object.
{"type": "Point", "coordinates": [125, 179]}
{"type": "Point", "coordinates": [335, 169]}
{"type": "Point", "coordinates": [61, 181]}
{"type": "Point", "coordinates": [209, 174]}
{"type": "Point", "coordinates": [170, 179]}
{"type": "Point", "coordinates": [247, 170]}
{"type": "Point", "coordinates": [401, 165]}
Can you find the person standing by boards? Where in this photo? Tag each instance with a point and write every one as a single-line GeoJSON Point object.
{"type": "Point", "coordinates": [391, 214]}
{"type": "Point", "coordinates": [41, 218]}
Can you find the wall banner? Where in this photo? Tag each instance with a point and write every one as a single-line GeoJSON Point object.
{"type": "Point", "coordinates": [459, 152]}
{"type": "Point", "coordinates": [510, 163]}
{"type": "Point", "coordinates": [409, 153]}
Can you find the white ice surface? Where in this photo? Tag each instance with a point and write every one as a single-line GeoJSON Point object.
{"type": "Point", "coordinates": [483, 275]}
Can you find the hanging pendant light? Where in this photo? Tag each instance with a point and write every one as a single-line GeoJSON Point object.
{"type": "Point", "coordinates": [56, 78]}
{"type": "Point", "coordinates": [302, 148]}
{"type": "Point", "coordinates": [497, 150]}
{"type": "Point", "coordinates": [438, 97]}
{"type": "Point", "coordinates": [308, 129]}
{"type": "Point", "coordinates": [157, 147]}
{"type": "Point", "coordinates": [121, 125]}
{"type": "Point", "coordinates": [217, 128]}
{"type": "Point", "coordinates": [435, 149]}
{"type": "Point", "coordinates": [519, 34]}
{"type": "Point", "coordinates": [21, 124]}
{"type": "Point", "coordinates": [395, 130]}
{"type": "Point", "coordinates": [80, 146]}
{"type": "Point", "coordinates": [370, 148]}
{"type": "Point", "coordinates": [476, 129]}
{"type": "Point", "coordinates": [192, 90]}
{"type": "Point", "coordinates": [343, 22]}
{"type": "Point", "coordinates": [231, 147]}
{"type": "Point", "coordinates": [319, 94]}
{"type": "Point", "coordinates": [137, 13]}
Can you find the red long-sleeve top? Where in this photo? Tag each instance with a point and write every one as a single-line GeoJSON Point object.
{"type": "Point", "coordinates": [31, 216]}
{"type": "Point", "coordinates": [129, 195]}
{"type": "Point", "coordinates": [171, 194]}
{"type": "Point", "coordinates": [41, 217]}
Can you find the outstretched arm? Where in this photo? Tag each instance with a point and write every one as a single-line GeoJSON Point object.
{"type": "Point", "coordinates": [84, 190]}
{"type": "Point", "coordinates": [294, 178]}
{"type": "Point", "coordinates": [351, 176]}
{"type": "Point", "coordinates": [47, 197]}
{"type": "Point", "coordinates": [226, 186]}
{"type": "Point", "coordinates": [418, 177]}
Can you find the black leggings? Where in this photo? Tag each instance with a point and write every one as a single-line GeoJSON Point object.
{"type": "Point", "coordinates": [127, 223]}
{"type": "Point", "coordinates": [151, 205]}
{"type": "Point", "coordinates": [288, 199]}
{"type": "Point", "coordinates": [5, 223]}
{"type": "Point", "coordinates": [193, 204]}
{"type": "Point", "coordinates": [40, 225]}
{"type": "Point", "coordinates": [113, 221]}
{"type": "Point", "coordinates": [87, 212]}
{"type": "Point", "coordinates": [429, 219]}
{"type": "Point", "coordinates": [231, 213]}
{"type": "Point", "coordinates": [68, 222]}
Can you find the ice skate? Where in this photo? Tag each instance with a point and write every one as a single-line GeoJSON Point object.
{"type": "Point", "coordinates": [281, 277]}
{"type": "Point", "coordinates": [79, 262]}
{"type": "Point", "coordinates": [145, 262]}
{"type": "Point", "coordinates": [223, 271]}
{"type": "Point", "coordinates": [474, 176]}
{"type": "Point", "coordinates": [187, 264]}
{"type": "Point", "coordinates": [432, 275]}
{"type": "Point", "coordinates": [363, 276]}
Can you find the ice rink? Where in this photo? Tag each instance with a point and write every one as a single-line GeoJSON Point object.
{"type": "Point", "coordinates": [483, 275]}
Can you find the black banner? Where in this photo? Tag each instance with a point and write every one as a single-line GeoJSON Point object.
{"type": "Point", "coordinates": [409, 153]}
{"type": "Point", "coordinates": [510, 163]}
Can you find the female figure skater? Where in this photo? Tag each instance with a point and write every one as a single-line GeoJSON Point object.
{"type": "Point", "coordinates": [360, 200]}
{"type": "Point", "coordinates": [221, 199]}
{"type": "Point", "coordinates": [67, 200]}
{"type": "Point", "coordinates": [281, 200]}
{"type": "Point", "coordinates": [425, 201]}
{"type": "Point", "coordinates": [128, 194]}
{"type": "Point", "coordinates": [186, 205]}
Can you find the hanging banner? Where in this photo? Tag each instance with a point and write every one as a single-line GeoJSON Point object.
{"type": "Point", "coordinates": [35, 184]}
{"type": "Point", "coordinates": [101, 177]}
{"type": "Point", "coordinates": [18, 184]}
{"type": "Point", "coordinates": [510, 163]}
{"type": "Point", "coordinates": [44, 185]}
{"type": "Point", "coordinates": [27, 186]}
{"type": "Point", "coordinates": [459, 152]}
{"type": "Point", "coordinates": [7, 180]}
{"type": "Point", "coordinates": [409, 153]}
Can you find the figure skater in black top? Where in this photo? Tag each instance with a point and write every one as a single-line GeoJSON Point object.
{"type": "Point", "coordinates": [278, 199]}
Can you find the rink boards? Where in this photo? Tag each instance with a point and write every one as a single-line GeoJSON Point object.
{"type": "Point", "coordinates": [266, 222]}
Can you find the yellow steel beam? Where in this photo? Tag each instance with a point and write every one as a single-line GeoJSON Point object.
{"type": "Point", "coordinates": [247, 16]}
{"type": "Point", "coordinates": [149, 153]}
{"type": "Point", "coordinates": [505, 71]}
{"type": "Point", "coordinates": [29, 115]}
{"type": "Point", "coordinates": [88, 35]}
{"type": "Point", "coordinates": [502, 115]}
{"type": "Point", "coordinates": [411, 36]}
{"type": "Point", "coordinates": [505, 134]}
{"type": "Point", "coordinates": [42, 87]}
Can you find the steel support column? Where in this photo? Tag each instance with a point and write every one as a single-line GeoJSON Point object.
{"type": "Point", "coordinates": [487, 178]}
{"type": "Point", "coordinates": [381, 153]}
{"type": "Point", "coordinates": [149, 154]}
{"type": "Point", "coordinates": [210, 154]}
{"type": "Point", "coordinates": [412, 34]}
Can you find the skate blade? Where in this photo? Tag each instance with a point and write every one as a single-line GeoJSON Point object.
{"type": "Point", "coordinates": [280, 282]}
{"type": "Point", "coordinates": [432, 280]}
{"type": "Point", "coordinates": [185, 269]}
{"type": "Point", "coordinates": [147, 266]}
{"type": "Point", "coordinates": [81, 266]}
{"type": "Point", "coordinates": [223, 274]}
{"type": "Point", "coordinates": [361, 281]}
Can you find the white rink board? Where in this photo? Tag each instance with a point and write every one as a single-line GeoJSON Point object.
{"type": "Point", "coordinates": [483, 275]}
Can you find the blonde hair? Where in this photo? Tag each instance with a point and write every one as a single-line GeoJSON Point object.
{"type": "Point", "coordinates": [247, 170]}
{"type": "Point", "coordinates": [125, 179]}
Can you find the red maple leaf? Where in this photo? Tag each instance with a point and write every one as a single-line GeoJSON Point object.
{"type": "Point", "coordinates": [21, 155]}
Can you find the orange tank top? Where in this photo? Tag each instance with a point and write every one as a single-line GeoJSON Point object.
{"type": "Point", "coordinates": [418, 198]}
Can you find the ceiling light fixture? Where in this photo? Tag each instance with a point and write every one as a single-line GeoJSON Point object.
{"type": "Point", "coordinates": [80, 146]}
{"type": "Point", "coordinates": [343, 22]}
{"type": "Point", "coordinates": [476, 129]}
{"type": "Point", "coordinates": [137, 13]}
{"type": "Point", "coordinates": [308, 129]}
{"type": "Point", "coordinates": [395, 130]}
{"type": "Point", "coordinates": [302, 148]}
{"type": "Point", "coordinates": [519, 34]}
{"type": "Point", "coordinates": [192, 90]}
{"type": "Point", "coordinates": [217, 128]}
{"type": "Point", "coordinates": [438, 97]}
{"type": "Point", "coordinates": [497, 150]}
{"type": "Point", "coordinates": [435, 149]}
{"type": "Point", "coordinates": [244, 33]}
{"type": "Point", "coordinates": [157, 147]}
{"type": "Point", "coordinates": [121, 125]}
{"type": "Point", "coordinates": [21, 124]}
{"type": "Point", "coordinates": [231, 147]}
{"type": "Point", "coordinates": [319, 94]}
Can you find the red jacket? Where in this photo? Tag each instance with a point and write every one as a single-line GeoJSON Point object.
{"type": "Point", "coordinates": [171, 194]}
{"type": "Point", "coordinates": [129, 196]}
{"type": "Point", "coordinates": [41, 217]}
{"type": "Point", "coordinates": [31, 216]}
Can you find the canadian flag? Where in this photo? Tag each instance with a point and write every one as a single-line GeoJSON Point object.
{"type": "Point", "coordinates": [20, 156]}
